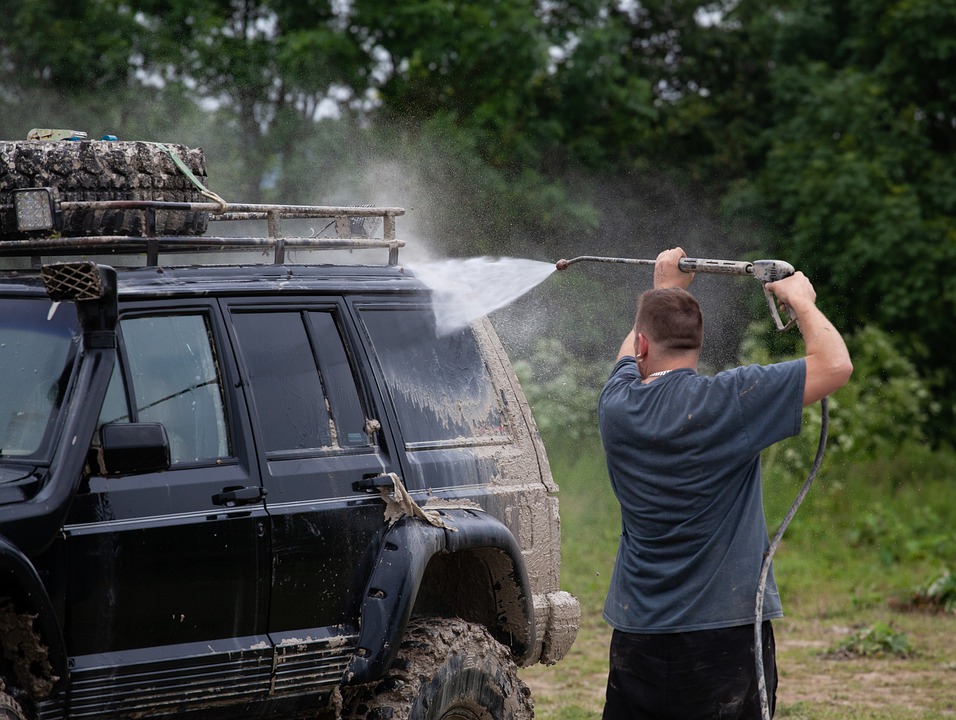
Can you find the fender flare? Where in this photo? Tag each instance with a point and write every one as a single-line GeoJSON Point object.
{"type": "Point", "coordinates": [390, 594]}
{"type": "Point", "coordinates": [17, 570]}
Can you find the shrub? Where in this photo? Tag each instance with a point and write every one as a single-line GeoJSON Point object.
{"type": "Point", "coordinates": [878, 640]}
{"type": "Point", "coordinates": [937, 594]}
{"type": "Point", "coordinates": [885, 406]}
{"type": "Point", "coordinates": [562, 390]}
{"type": "Point", "coordinates": [922, 533]}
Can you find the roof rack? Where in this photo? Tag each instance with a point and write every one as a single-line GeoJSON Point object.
{"type": "Point", "coordinates": [354, 226]}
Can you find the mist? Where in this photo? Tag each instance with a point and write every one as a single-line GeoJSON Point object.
{"type": "Point", "coordinates": [588, 308]}
{"type": "Point", "coordinates": [455, 207]}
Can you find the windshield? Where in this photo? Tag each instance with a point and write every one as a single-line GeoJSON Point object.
{"type": "Point", "coordinates": [38, 341]}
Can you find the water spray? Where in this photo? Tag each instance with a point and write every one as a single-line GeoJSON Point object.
{"type": "Point", "coordinates": [766, 271]}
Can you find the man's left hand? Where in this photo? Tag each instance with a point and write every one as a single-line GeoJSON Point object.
{"type": "Point", "coordinates": [667, 274]}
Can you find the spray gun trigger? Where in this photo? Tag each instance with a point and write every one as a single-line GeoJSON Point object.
{"type": "Point", "coordinates": [771, 303]}
{"type": "Point", "coordinates": [768, 271]}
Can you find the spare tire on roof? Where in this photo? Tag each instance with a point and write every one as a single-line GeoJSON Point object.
{"type": "Point", "coordinates": [105, 170]}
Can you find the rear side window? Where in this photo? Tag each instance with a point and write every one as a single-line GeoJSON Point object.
{"type": "Point", "coordinates": [301, 381]}
{"type": "Point", "coordinates": [441, 387]}
{"type": "Point", "coordinates": [171, 377]}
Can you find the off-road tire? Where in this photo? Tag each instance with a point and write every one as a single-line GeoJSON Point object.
{"type": "Point", "coordinates": [446, 669]}
{"type": "Point", "coordinates": [10, 709]}
{"type": "Point", "coordinates": [104, 170]}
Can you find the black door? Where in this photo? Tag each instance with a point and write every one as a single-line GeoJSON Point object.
{"type": "Point", "coordinates": [318, 434]}
{"type": "Point", "coordinates": [167, 573]}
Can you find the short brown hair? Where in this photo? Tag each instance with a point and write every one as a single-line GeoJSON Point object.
{"type": "Point", "coordinates": [671, 318]}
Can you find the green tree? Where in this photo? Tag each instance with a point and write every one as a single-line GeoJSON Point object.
{"type": "Point", "coordinates": [266, 67]}
{"type": "Point", "coordinates": [599, 109]}
{"type": "Point", "coordinates": [860, 175]}
{"type": "Point", "coordinates": [476, 63]}
{"type": "Point", "coordinates": [829, 126]}
{"type": "Point", "coordinates": [82, 47]}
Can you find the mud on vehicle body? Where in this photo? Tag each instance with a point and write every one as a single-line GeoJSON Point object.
{"type": "Point", "coordinates": [270, 487]}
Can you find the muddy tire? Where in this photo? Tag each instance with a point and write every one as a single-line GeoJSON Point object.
{"type": "Point", "coordinates": [103, 170]}
{"type": "Point", "coordinates": [10, 709]}
{"type": "Point", "coordinates": [445, 670]}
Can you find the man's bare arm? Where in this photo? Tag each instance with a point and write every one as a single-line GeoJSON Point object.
{"type": "Point", "coordinates": [666, 274]}
{"type": "Point", "coordinates": [828, 361]}
{"type": "Point", "coordinates": [629, 346]}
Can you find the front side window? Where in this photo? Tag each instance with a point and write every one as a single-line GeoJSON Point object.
{"type": "Point", "coordinates": [38, 343]}
{"type": "Point", "coordinates": [170, 375]}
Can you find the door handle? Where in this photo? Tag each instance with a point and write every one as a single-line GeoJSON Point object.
{"type": "Point", "coordinates": [238, 495]}
{"type": "Point", "coordinates": [372, 483]}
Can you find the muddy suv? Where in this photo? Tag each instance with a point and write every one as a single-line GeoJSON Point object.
{"type": "Point", "coordinates": [229, 487]}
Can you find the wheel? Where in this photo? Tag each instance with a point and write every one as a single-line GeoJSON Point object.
{"type": "Point", "coordinates": [104, 170]}
{"type": "Point", "coordinates": [9, 708]}
{"type": "Point", "coordinates": [446, 669]}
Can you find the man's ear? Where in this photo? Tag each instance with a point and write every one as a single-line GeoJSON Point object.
{"type": "Point", "coordinates": [641, 345]}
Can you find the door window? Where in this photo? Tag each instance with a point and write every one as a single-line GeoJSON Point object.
{"type": "Point", "coordinates": [301, 381]}
{"type": "Point", "coordinates": [170, 375]}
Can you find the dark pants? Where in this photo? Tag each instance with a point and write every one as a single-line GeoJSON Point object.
{"type": "Point", "coordinates": [701, 675]}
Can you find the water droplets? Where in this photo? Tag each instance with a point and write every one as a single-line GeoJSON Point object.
{"type": "Point", "coordinates": [467, 289]}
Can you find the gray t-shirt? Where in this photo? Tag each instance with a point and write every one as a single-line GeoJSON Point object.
{"type": "Point", "coordinates": [683, 454]}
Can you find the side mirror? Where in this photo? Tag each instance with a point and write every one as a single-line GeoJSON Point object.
{"type": "Point", "coordinates": [130, 448]}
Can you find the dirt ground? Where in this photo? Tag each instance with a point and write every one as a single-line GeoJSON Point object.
{"type": "Point", "coordinates": [813, 685]}
{"type": "Point", "coordinates": [920, 685]}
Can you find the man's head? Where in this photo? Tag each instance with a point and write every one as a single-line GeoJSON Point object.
{"type": "Point", "coordinates": [670, 318]}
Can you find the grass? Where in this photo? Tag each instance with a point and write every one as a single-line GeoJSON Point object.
{"type": "Point", "coordinates": [868, 535]}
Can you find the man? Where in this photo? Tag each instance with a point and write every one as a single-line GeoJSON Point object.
{"type": "Point", "coordinates": [683, 454]}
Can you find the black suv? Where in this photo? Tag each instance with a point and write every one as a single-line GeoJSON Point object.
{"type": "Point", "coordinates": [230, 487]}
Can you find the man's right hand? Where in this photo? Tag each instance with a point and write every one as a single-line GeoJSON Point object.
{"type": "Point", "coordinates": [795, 291]}
{"type": "Point", "coordinates": [667, 274]}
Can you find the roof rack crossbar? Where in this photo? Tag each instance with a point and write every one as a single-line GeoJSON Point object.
{"type": "Point", "coordinates": [349, 236]}
{"type": "Point", "coordinates": [231, 211]}
{"type": "Point", "coordinates": [198, 241]}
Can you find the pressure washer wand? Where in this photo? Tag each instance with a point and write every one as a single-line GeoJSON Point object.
{"type": "Point", "coordinates": [687, 265]}
{"type": "Point", "coordinates": [766, 271]}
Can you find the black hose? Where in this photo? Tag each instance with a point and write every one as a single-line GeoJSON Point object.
{"type": "Point", "coordinates": [768, 557]}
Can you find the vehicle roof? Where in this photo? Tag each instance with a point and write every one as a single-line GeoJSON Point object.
{"type": "Point", "coordinates": [240, 279]}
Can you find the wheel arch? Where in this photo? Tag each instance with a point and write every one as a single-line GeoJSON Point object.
{"type": "Point", "coordinates": [44, 667]}
{"type": "Point", "coordinates": [476, 585]}
{"type": "Point", "coordinates": [479, 562]}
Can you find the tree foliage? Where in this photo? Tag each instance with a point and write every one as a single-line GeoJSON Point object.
{"type": "Point", "coordinates": [824, 129]}
{"type": "Point", "coordinates": [859, 174]}
{"type": "Point", "coordinates": [886, 407]}
{"type": "Point", "coordinates": [78, 47]}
